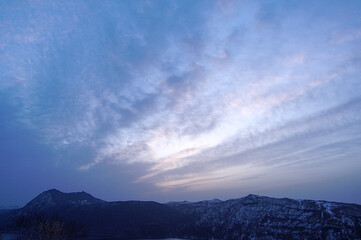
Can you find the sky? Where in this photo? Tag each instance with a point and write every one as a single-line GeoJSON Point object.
{"type": "Point", "coordinates": [180, 100]}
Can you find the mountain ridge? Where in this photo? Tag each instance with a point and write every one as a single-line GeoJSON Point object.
{"type": "Point", "coordinates": [249, 217]}
{"type": "Point", "coordinates": [251, 195]}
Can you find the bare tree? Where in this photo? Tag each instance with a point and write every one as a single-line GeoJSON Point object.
{"type": "Point", "coordinates": [41, 228]}
{"type": "Point", "coordinates": [54, 231]}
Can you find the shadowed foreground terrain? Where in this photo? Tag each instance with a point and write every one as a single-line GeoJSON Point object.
{"type": "Point", "coordinates": [80, 216]}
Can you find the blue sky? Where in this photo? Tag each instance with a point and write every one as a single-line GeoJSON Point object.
{"type": "Point", "coordinates": [180, 100]}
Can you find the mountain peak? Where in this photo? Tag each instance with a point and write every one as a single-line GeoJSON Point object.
{"type": "Point", "coordinates": [252, 196]}
{"type": "Point", "coordinates": [54, 198]}
{"type": "Point", "coordinates": [53, 191]}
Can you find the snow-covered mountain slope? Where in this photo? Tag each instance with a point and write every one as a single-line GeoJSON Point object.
{"type": "Point", "coordinates": [250, 217]}
{"type": "Point", "coordinates": [54, 199]}
{"type": "Point", "coordinates": [258, 217]}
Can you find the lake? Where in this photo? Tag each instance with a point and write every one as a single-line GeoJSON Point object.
{"type": "Point", "coordinates": [10, 236]}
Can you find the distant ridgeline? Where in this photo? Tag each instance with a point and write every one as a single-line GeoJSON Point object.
{"type": "Point", "coordinates": [81, 216]}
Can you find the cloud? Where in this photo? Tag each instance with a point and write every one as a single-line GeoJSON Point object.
{"type": "Point", "coordinates": [311, 141]}
{"type": "Point", "coordinates": [198, 92]}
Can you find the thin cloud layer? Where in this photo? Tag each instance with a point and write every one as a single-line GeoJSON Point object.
{"type": "Point", "coordinates": [198, 94]}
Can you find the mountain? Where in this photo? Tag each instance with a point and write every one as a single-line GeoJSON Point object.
{"type": "Point", "coordinates": [250, 217]}
{"type": "Point", "coordinates": [129, 219]}
{"type": "Point", "coordinates": [53, 199]}
{"type": "Point", "coordinates": [119, 220]}
{"type": "Point", "coordinates": [258, 217]}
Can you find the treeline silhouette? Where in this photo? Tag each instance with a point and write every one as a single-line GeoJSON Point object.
{"type": "Point", "coordinates": [42, 227]}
